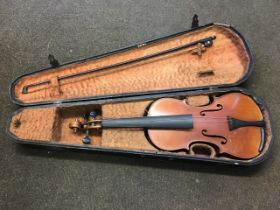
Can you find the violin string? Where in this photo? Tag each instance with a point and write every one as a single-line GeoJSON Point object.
{"type": "Point", "coordinates": [200, 118]}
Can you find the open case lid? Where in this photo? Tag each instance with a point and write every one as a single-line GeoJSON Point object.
{"type": "Point", "coordinates": [182, 61]}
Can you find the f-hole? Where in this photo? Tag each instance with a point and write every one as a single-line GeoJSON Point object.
{"type": "Point", "coordinates": [204, 132]}
{"type": "Point", "coordinates": [219, 107]}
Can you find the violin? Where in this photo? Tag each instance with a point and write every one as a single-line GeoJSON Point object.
{"type": "Point", "coordinates": [231, 123]}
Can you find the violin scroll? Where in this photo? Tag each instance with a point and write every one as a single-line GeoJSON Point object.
{"type": "Point", "coordinates": [90, 123]}
{"type": "Point", "coordinates": [76, 125]}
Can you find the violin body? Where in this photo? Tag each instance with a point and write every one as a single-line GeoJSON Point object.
{"type": "Point", "coordinates": [211, 125]}
{"type": "Point", "coordinates": [230, 124]}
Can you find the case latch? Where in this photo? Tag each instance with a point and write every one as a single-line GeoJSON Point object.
{"type": "Point", "coordinates": [54, 62]}
{"type": "Point", "coordinates": [195, 21]}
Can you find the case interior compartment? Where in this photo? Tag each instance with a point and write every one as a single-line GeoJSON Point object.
{"type": "Point", "coordinates": [226, 62]}
{"type": "Point", "coordinates": [50, 124]}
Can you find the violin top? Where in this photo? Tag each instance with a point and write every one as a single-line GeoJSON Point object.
{"type": "Point", "coordinates": [231, 123]}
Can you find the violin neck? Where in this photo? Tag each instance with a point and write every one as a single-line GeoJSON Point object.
{"type": "Point", "coordinates": [156, 122]}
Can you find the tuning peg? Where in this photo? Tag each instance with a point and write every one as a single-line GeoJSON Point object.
{"type": "Point", "coordinates": [86, 139]}
{"type": "Point", "coordinates": [93, 114]}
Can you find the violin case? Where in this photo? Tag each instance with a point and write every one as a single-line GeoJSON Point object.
{"type": "Point", "coordinates": [194, 74]}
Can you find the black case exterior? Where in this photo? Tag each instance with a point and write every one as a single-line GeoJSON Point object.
{"type": "Point", "coordinates": [143, 95]}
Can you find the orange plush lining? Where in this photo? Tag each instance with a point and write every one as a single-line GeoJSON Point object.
{"type": "Point", "coordinates": [226, 62]}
